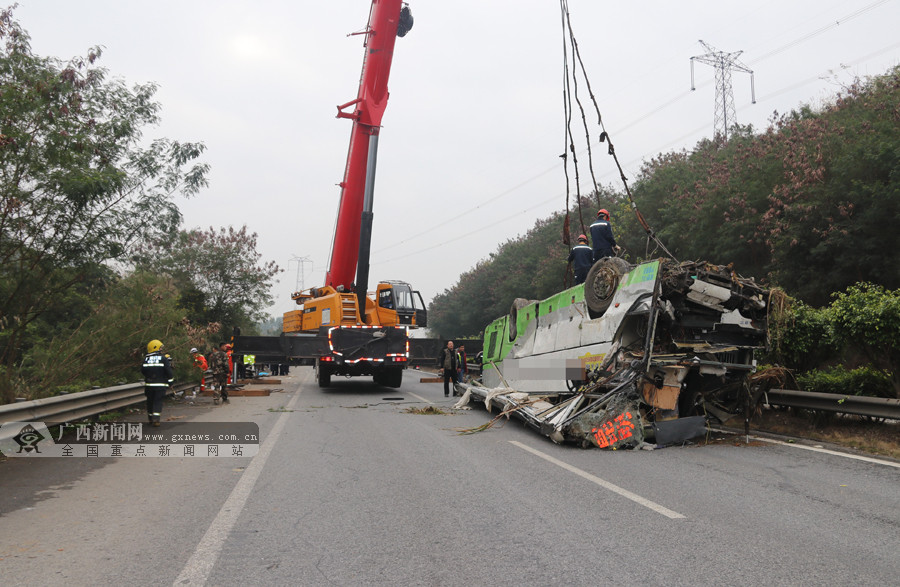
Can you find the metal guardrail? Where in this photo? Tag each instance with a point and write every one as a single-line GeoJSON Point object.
{"type": "Point", "coordinates": [85, 404]}
{"type": "Point", "coordinates": [875, 407]}
{"type": "Point", "coordinates": [77, 406]}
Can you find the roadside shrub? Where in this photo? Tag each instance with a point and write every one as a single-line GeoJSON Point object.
{"type": "Point", "coordinates": [866, 381]}
{"type": "Point", "coordinates": [801, 337]}
{"type": "Point", "coordinates": [867, 316]}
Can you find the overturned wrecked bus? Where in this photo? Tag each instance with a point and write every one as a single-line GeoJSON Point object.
{"type": "Point", "coordinates": [637, 356]}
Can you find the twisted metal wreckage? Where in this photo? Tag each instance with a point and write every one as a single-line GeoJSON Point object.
{"type": "Point", "coordinates": [638, 352]}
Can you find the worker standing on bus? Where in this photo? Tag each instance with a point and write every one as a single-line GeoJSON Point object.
{"type": "Point", "coordinates": [602, 237]}
{"type": "Point", "coordinates": [581, 257]}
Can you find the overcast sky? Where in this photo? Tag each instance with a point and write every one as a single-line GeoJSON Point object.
{"type": "Point", "coordinates": [470, 145]}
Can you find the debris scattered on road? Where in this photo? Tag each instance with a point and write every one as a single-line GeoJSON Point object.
{"type": "Point", "coordinates": [428, 411]}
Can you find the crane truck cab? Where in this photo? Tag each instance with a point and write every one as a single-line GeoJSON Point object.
{"type": "Point", "coordinates": [376, 343]}
{"type": "Point", "coordinates": [398, 304]}
{"type": "Point", "coordinates": [393, 303]}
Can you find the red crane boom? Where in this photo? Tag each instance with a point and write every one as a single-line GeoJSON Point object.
{"type": "Point", "coordinates": [353, 334]}
{"type": "Point", "coordinates": [357, 188]}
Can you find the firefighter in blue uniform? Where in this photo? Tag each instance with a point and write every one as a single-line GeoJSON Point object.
{"type": "Point", "coordinates": [158, 376]}
{"type": "Point", "coordinates": [602, 236]}
{"type": "Point", "coordinates": [581, 257]}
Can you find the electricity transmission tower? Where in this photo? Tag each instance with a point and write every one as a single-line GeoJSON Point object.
{"type": "Point", "coordinates": [301, 262]}
{"type": "Point", "coordinates": [723, 62]}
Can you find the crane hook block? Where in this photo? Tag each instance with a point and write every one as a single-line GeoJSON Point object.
{"type": "Point", "coordinates": [406, 21]}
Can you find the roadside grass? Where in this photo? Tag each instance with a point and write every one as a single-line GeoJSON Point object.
{"type": "Point", "coordinates": [110, 416]}
{"type": "Point", "coordinates": [428, 411]}
{"type": "Point", "coordinates": [877, 438]}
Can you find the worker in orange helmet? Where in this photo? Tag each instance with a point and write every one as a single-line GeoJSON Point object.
{"type": "Point", "coordinates": [581, 257]}
{"type": "Point", "coordinates": [602, 237]}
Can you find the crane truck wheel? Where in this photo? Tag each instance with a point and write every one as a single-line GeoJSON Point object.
{"type": "Point", "coordinates": [323, 375]}
{"type": "Point", "coordinates": [602, 282]}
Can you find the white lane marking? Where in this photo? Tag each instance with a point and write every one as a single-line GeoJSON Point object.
{"type": "Point", "coordinates": [830, 452]}
{"type": "Point", "coordinates": [419, 397]}
{"type": "Point", "coordinates": [604, 484]}
{"type": "Point", "coordinates": [201, 563]}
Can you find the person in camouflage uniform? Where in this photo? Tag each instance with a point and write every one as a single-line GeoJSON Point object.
{"type": "Point", "coordinates": [219, 364]}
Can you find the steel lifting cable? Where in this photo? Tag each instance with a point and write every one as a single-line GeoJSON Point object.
{"type": "Point", "coordinates": [568, 144]}
{"type": "Point", "coordinates": [569, 141]}
{"type": "Point", "coordinates": [584, 123]}
{"type": "Point", "coordinates": [567, 239]}
{"type": "Point", "coordinates": [604, 135]}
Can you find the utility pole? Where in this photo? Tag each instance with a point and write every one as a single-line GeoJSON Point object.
{"type": "Point", "coordinates": [300, 261]}
{"type": "Point", "coordinates": [725, 116]}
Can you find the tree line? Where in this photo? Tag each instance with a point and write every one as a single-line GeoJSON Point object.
{"type": "Point", "coordinates": [810, 206]}
{"type": "Point", "coordinates": [94, 260]}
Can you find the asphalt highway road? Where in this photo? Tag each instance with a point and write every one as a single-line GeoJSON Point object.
{"type": "Point", "coordinates": [349, 488]}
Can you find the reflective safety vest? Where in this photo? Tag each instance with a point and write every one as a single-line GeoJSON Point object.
{"type": "Point", "coordinates": [200, 362]}
{"type": "Point", "coordinates": [602, 238]}
{"type": "Point", "coordinates": [582, 256]}
{"type": "Point", "coordinates": [157, 370]}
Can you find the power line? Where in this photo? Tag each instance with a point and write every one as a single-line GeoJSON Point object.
{"type": "Point", "coordinates": [638, 120]}
{"type": "Point", "coordinates": [505, 192]}
{"type": "Point", "coordinates": [493, 224]}
{"type": "Point", "coordinates": [819, 76]}
{"type": "Point", "coordinates": [820, 30]}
